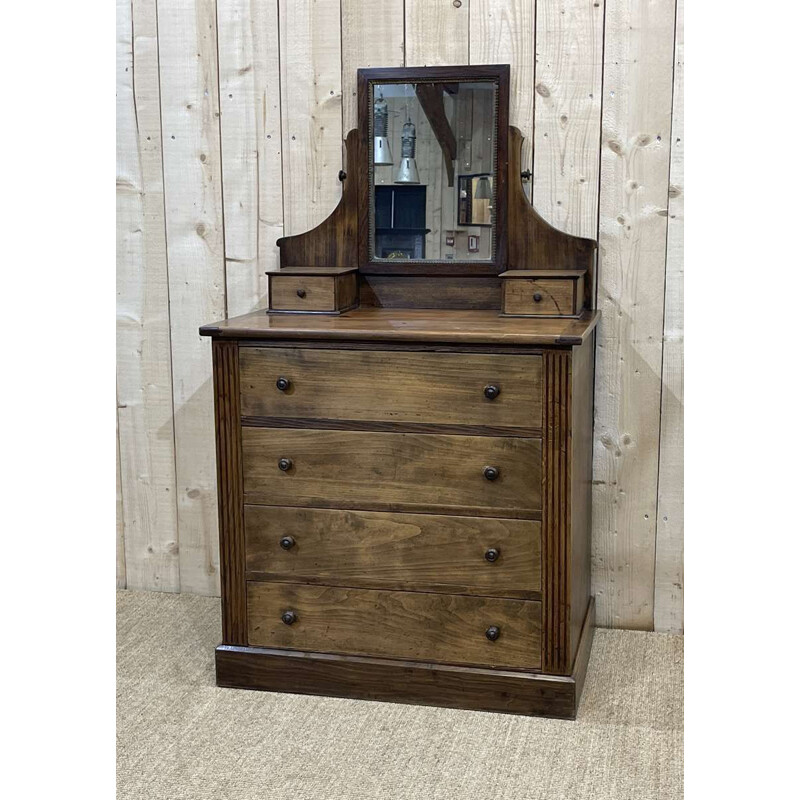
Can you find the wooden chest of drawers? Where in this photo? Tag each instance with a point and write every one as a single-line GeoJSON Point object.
{"type": "Point", "coordinates": [406, 517]}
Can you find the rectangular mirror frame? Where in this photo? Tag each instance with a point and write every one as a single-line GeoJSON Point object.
{"type": "Point", "coordinates": [499, 73]}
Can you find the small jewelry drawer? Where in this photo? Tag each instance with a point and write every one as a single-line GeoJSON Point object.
{"type": "Point", "coordinates": [372, 549]}
{"type": "Point", "coordinates": [317, 290]}
{"type": "Point", "coordinates": [443, 628]}
{"type": "Point", "coordinates": [543, 293]}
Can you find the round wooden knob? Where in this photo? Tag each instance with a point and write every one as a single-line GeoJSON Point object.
{"type": "Point", "coordinates": [290, 617]}
{"type": "Point", "coordinates": [491, 391]}
{"type": "Point", "coordinates": [537, 298]}
{"type": "Point", "coordinates": [285, 464]}
{"type": "Point", "coordinates": [491, 473]}
{"type": "Point", "coordinates": [283, 384]}
{"type": "Point", "coordinates": [301, 292]}
{"type": "Point", "coordinates": [492, 554]}
{"type": "Point", "coordinates": [493, 633]}
{"type": "Point", "coordinates": [287, 543]}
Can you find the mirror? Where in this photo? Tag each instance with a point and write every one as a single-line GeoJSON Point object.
{"type": "Point", "coordinates": [432, 167]}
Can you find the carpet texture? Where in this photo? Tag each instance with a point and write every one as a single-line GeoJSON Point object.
{"type": "Point", "coordinates": [180, 737]}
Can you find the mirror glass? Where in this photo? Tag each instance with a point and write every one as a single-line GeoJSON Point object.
{"type": "Point", "coordinates": [432, 171]}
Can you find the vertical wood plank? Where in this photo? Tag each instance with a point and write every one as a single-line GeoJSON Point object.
{"type": "Point", "coordinates": [146, 442]}
{"type": "Point", "coordinates": [372, 36]}
{"type": "Point", "coordinates": [121, 581]}
{"type": "Point", "coordinates": [669, 526]}
{"type": "Point", "coordinates": [249, 76]}
{"type": "Point", "coordinates": [502, 32]}
{"type": "Point", "coordinates": [569, 67]}
{"type": "Point", "coordinates": [437, 33]}
{"type": "Point", "coordinates": [637, 99]}
{"type": "Point", "coordinates": [190, 114]}
{"type": "Point", "coordinates": [311, 111]}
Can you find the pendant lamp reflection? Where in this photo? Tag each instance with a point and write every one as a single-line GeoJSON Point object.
{"type": "Point", "coordinates": [483, 191]}
{"type": "Point", "coordinates": [407, 171]}
{"type": "Point", "coordinates": [382, 156]}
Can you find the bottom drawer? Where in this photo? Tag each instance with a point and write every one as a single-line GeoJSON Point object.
{"type": "Point", "coordinates": [415, 625]}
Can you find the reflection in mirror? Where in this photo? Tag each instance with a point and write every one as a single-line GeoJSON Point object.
{"type": "Point", "coordinates": [432, 168]}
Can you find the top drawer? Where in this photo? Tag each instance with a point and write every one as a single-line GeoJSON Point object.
{"type": "Point", "coordinates": [391, 386]}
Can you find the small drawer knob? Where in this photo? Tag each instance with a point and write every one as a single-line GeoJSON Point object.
{"type": "Point", "coordinates": [301, 292]}
{"type": "Point", "coordinates": [537, 298]}
{"type": "Point", "coordinates": [285, 464]}
{"type": "Point", "coordinates": [491, 392]}
{"type": "Point", "coordinates": [287, 542]}
{"type": "Point", "coordinates": [493, 633]}
{"type": "Point", "coordinates": [491, 473]}
{"type": "Point", "coordinates": [492, 554]}
{"type": "Point", "coordinates": [290, 617]}
{"type": "Point", "coordinates": [283, 384]}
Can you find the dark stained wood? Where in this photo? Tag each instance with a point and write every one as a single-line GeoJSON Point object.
{"type": "Point", "coordinates": [581, 488]}
{"type": "Point", "coordinates": [421, 552]}
{"type": "Point", "coordinates": [431, 100]}
{"type": "Point", "coordinates": [430, 388]}
{"type": "Point", "coordinates": [388, 427]}
{"type": "Point", "coordinates": [230, 492]}
{"type": "Point", "coordinates": [409, 325]}
{"type": "Point", "coordinates": [430, 291]}
{"type": "Point", "coordinates": [363, 470]}
{"type": "Point", "coordinates": [309, 289]}
{"type": "Point", "coordinates": [542, 297]}
{"type": "Point", "coordinates": [438, 627]}
{"type": "Point", "coordinates": [421, 683]}
{"type": "Point", "coordinates": [435, 75]}
{"type": "Point", "coordinates": [556, 512]}
{"type": "Point", "coordinates": [534, 243]}
{"type": "Point", "coordinates": [334, 242]}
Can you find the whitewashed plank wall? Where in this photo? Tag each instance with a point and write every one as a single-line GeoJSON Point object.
{"type": "Point", "coordinates": [231, 116]}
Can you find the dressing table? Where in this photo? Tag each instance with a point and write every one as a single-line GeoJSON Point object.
{"type": "Point", "coordinates": [404, 437]}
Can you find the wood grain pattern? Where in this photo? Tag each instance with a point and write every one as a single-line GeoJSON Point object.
{"type": "Point", "coordinates": [438, 326]}
{"type": "Point", "coordinates": [144, 353]}
{"type": "Point", "coordinates": [437, 33]}
{"type": "Point", "coordinates": [535, 244]}
{"type": "Point", "coordinates": [419, 291]}
{"type": "Point", "coordinates": [192, 177]}
{"type": "Point", "coordinates": [501, 32]}
{"type": "Point", "coordinates": [557, 513]}
{"type": "Point", "coordinates": [582, 421]}
{"type": "Point", "coordinates": [668, 605]}
{"type": "Point", "coordinates": [372, 36]}
{"type": "Point", "coordinates": [569, 67]}
{"type": "Point", "coordinates": [423, 552]}
{"type": "Point", "coordinates": [311, 112]}
{"type": "Point", "coordinates": [557, 297]}
{"type": "Point", "coordinates": [431, 388]}
{"type": "Point", "coordinates": [393, 472]}
{"type": "Point", "coordinates": [318, 293]}
{"type": "Point", "coordinates": [633, 218]}
{"type": "Point", "coordinates": [334, 241]}
{"type": "Point", "coordinates": [230, 498]}
{"type": "Point", "coordinates": [249, 85]}
{"type": "Point", "coordinates": [120, 548]}
{"type": "Point", "coordinates": [413, 625]}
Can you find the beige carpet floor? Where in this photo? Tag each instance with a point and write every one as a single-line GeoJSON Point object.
{"type": "Point", "coordinates": [181, 737]}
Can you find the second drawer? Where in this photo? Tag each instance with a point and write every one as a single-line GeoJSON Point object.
{"type": "Point", "coordinates": [473, 555]}
{"type": "Point", "coordinates": [490, 476]}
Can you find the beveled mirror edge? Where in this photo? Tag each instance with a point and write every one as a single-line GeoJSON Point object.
{"type": "Point", "coordinates": [495, 72]}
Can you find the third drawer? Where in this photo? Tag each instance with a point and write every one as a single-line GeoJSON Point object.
{"type": "Point", "coordinates": [430, 552]}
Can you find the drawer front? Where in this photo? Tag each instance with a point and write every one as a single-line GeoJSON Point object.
{"type": "Point", "coordinates": [413, 625]}
{"type": "Point", "coordinates": [302, 293]}
{"type": "Point", "coordinates": [369, 385]}
{"type": "Point", "coordinates": [556, 296]}
{"type": "Point", "coordinates": [366, 470]}
{"type": "Point", "coordinates": [427, 552]}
